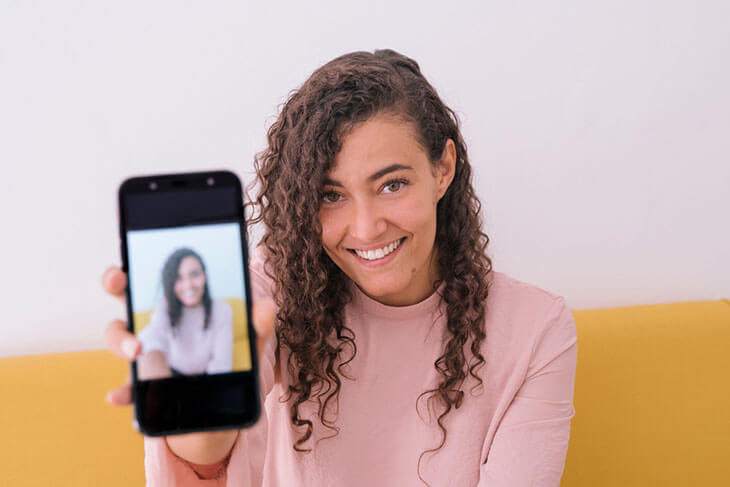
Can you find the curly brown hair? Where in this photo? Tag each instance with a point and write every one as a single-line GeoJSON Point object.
{"type": "Point", "coordinates": [309, 289]}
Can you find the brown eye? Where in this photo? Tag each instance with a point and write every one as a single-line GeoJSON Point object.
{"type": "Point", "coordinates": [331, 197]}
{"type": "Point", "coordinates": [395, 185]}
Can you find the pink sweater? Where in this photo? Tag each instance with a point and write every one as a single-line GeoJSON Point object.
{"type": "Point", "coordinates": [513, 432]}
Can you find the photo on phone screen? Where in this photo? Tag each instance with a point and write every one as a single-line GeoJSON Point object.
{"type": "Point", "coordinates": [188, 301]}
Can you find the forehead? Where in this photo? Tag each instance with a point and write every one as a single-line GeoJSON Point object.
{"type": "Point", "coordinates": [376, 143]}
{"type": "Point", "coordinates": [189, 262]}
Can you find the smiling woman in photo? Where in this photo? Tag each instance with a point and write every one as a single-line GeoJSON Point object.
{"type": "Point", "coordinates": [189, 332]}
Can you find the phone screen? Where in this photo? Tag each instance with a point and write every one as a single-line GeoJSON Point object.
{"type": "Point", "coordinates": [184, 251]}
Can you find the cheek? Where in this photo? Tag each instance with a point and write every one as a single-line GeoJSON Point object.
{"type": "Point", "coordinates": [331, 231]}
{"type": "Point", "coordinates": [417, 216]}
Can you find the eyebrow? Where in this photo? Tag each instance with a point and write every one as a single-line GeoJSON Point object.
{"type": "Point", "coordinates": [373, 177]}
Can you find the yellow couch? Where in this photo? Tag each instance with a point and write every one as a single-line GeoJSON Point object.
{"type": "Point", "coordinates": [652, 397]}
{"type": "Point", "coordinates": [652, 406]}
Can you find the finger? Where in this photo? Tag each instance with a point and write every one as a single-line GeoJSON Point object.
{"type": "Point", "coordinates": [121, 342]}
{"type": "Point", "coordinates": [114, 281]}
{"type": "Point", "coordinates": [121, 396]}
{"type": "Point", "coordinates": [264, 314]}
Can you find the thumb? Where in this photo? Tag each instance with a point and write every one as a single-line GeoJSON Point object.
{"type": "Point", "coordinates": [264, 317]}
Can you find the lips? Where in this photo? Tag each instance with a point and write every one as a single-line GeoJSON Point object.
{"type": "Point", "coordinates": [376, 255]}
{"type": "Point", "coordinates": [379, 253]}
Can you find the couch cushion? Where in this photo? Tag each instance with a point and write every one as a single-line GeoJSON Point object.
{"type": "Point", "coordinates": [57, 429]}
{"type": "Point", "coordinates": [652, 396]}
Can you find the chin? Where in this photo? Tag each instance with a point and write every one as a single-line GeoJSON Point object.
{"type": "Point", "coordinates": [192, 304]}
{"type": "Point", "coordinates": [382, 290]}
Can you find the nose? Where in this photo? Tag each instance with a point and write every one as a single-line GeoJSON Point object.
{"type": "Point", "coordinates": [368, 222]}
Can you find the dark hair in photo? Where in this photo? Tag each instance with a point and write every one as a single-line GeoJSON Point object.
{"type": "Point", "coordinates": [309, 289]}
{"type": "Point", "coordinates": [169, 277]}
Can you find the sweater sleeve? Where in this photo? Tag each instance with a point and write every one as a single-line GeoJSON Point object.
{"type": "Point", "coordinates": [530, 445]}
{"type": "Point", "coordinates": [245, 463]}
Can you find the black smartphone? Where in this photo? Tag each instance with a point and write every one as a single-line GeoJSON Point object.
{"type": "Point", "coordinates": [184, 249]}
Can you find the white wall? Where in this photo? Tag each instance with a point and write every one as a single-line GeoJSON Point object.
{"type": "Point", "coordinates": [600, 133]}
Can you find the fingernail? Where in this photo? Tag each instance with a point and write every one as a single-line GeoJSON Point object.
{"type": "Point", "coordinates": [108, 397]}
{"type": "Point", "coordinates": [129, 347]}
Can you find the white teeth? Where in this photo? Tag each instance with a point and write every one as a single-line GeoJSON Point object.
{"type": "Point", "coordinates": [378, 253]}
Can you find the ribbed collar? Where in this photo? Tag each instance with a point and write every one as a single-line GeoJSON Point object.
{"type": "Point", "coordinates": [363, 302]}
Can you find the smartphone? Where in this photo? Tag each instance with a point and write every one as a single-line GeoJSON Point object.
{"type": "Point", "coordinates": [184, 249]}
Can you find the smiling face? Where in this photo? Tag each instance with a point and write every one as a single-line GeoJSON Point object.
{"type": "Point", "coordinates": [190, 283]}
{"type": "Point", "coordinates": [378, 210]}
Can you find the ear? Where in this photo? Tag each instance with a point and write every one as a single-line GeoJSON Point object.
{"type": "Point", "coordinates": [446, 167]}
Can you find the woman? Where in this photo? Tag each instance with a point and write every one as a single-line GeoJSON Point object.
{"type": "Point", "coordinates": [189, 333]}
{"type": "Point", "coordinates": [397, 357]}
